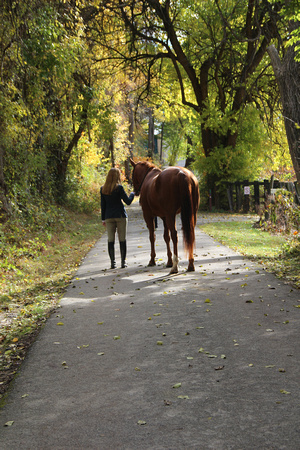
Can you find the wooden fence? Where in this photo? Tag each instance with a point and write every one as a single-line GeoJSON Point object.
{"type": "Point", "coordinates": [251, 195]}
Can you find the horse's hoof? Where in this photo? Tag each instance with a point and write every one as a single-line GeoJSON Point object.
{"type": "Point", "coordinates": [173, 271]}
{"type": "Point", "coordinates": [151, 264]}
{"type": "Point", "coordinates": [191, 269]}
{"type": "Point", "coordinates": [169, 265]}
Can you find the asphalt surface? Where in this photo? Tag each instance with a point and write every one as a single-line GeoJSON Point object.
{"type": "Point", "coordinates": [137, 359]}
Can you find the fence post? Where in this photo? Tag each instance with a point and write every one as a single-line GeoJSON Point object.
{"type": "Point", "coordinates": [246, 196]}
{"type": "Point", "coordinates": [238, 195]}
{"type": "Point", "coordinates": [230, 196]}
{"type": "Point", "coordinates": [256, 196]}
{"type": "Point", "coordinates": [267, 191]}
{"type": "Point", "coordinates": [267, 188]}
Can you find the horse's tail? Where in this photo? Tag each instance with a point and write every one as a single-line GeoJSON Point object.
{"type": "Point", "coordinates": [189, 201]}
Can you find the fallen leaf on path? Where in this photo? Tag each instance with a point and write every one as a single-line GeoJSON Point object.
{"type": "Point", "coordinates": [159, 342]}
{"type": "Point", "coordinates": [142, 422]}
{"type": "Point", "coordinates": [183, 397]}
{"type": "Point", "coordinates": [60, 323]}
{"type": "Point", "coordinates": [219, 368]}
{"type": "Point", "coordinates": [177, 385]}
{"type": "Point", "coordinates": [284, 392]}
{"type": "Point", "coordinates": [9, 423]}
{"type": "Point", "coordinates": [117, 337]}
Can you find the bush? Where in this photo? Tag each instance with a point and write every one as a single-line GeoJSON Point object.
{"type": "Point", "coordinates": [282, 214]}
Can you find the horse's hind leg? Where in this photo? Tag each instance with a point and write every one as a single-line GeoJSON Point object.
{"type": "Point", "coordinates": [191, 267]}
{"type": "Point", "coordinates": [150, 225]}
{"type": "Point", "coordinates": [174, 237]}
{"type": "Point", "coordinates": [167, 241]}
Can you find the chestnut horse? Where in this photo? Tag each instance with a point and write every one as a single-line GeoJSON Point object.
{"type": "Point", "coordinates": [166, 193]}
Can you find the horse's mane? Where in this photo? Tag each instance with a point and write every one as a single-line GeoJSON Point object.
{"type": "Point", "coordinates": [148, 164]}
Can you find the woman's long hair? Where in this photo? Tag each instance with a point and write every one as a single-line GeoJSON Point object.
{"type": "Point", "coordinates": [113, 179]}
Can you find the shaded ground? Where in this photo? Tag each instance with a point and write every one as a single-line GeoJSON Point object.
{"type": "Point", "coordinates": [225, 376]}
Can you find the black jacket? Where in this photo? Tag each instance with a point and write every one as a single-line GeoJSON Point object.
{"type": "Point", "coordinates": [112, 206]}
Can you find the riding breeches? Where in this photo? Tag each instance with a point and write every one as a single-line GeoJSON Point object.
{"type": "Point", "coordinates": [116, 224]}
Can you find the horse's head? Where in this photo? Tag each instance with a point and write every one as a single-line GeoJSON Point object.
{"type": "Point", "coordinates": [140, 170]}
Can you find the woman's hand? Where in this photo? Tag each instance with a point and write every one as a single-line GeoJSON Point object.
{"type": "Point", "coordinates": [104, 223]}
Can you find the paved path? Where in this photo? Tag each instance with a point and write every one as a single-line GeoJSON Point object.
{"type": "Point", "coordinates": [230, 343]}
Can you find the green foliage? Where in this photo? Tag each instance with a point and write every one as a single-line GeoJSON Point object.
{"type": "Point", "coordinates": [65, 100]}
{"type": "Point", "coordinates": [291, 13]}
{"type": "Point", "coordinates": [175, 141]}
{"type": "Point", "coordinates": [242, 162]}
{"type": "Point", "coordinates": [33, 210]}
{"type": "Point", "coordinates": [83, 195]}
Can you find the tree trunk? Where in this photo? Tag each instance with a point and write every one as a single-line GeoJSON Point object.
{"type": "Point", "coordinates": [287, 73]}
{"type": "Point", "coordinates": [130, 140]}
{"type": "Point", "coordinates": [5, 207]}
{"type": "Point", "coordinates": [151, 135]}
{"type": "Point", "coordinates": [112, 152]}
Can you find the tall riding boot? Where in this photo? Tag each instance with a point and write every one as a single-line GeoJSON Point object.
{"type": "Point", "coordinates": [111, 252]}
{"type": "Point", "coordinates": [123, 250]}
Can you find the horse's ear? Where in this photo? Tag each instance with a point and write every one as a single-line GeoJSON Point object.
{"type": "Point", "coordinates": [132, 162]}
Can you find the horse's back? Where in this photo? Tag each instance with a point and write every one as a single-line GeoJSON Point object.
{"type": "Point", "coordinates": [174, 178]}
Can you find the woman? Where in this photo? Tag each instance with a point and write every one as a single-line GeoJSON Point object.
{"type": "Point", "coordinates": [113, 213]}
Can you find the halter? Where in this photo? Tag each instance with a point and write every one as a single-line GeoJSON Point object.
{"type": "Point", "coordinates": [140, 186]}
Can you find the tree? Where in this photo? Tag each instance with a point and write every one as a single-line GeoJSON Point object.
{"type": "Point", "coordinates": [217, 50]}
{"type": "Point", "coordinates": [287, 72]}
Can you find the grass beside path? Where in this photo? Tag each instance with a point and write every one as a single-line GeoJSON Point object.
{"type": "Point", "coordinates": [277, 253]}
{"type": "Point", "coordinates": [35, 268]}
